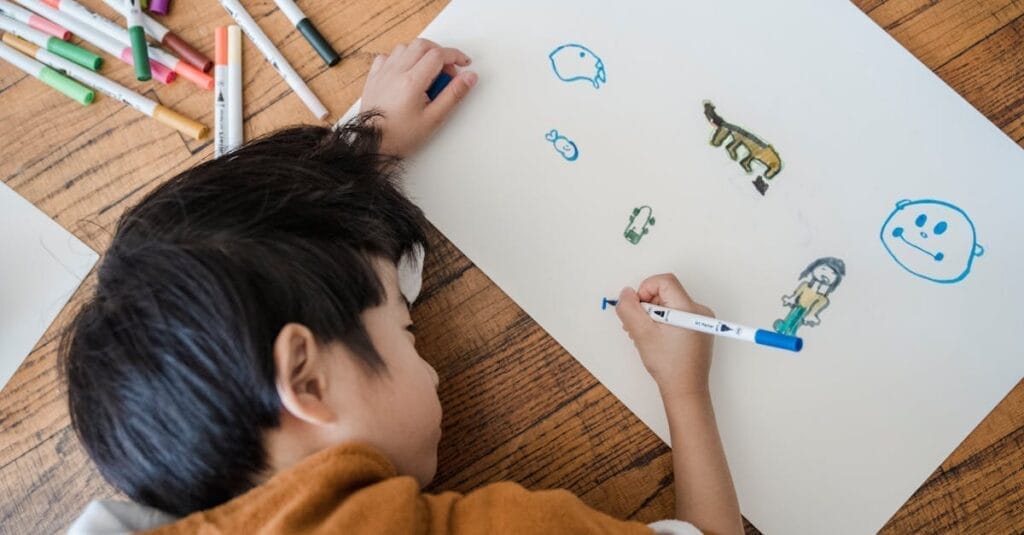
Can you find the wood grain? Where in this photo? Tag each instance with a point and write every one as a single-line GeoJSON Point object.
{"type": "Point", "coordinates": [518, 407]}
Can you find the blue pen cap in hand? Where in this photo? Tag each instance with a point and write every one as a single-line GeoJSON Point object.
{"type": "Point", "coordinates": [781, 341]}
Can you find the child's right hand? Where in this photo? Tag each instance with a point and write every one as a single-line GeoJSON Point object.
{"type": "Point", "coordinates": [678, 359]}
{"type": "Point", "coordinates": [396, 87]}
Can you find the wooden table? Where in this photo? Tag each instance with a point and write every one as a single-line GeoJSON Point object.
{"type": "Point", "coordinates": [517, 405]}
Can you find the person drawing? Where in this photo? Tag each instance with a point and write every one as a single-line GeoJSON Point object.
{"type": "Point", "coordinates": [819, 280]}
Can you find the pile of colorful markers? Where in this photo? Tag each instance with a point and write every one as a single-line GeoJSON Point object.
{"type": "Point", "coordinates": [35, 40]}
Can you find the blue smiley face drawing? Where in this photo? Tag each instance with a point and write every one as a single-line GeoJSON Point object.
{"type": "Point", "coordinates": [931, 239]}
{"type": "Point", "coordinates": [574, 62]}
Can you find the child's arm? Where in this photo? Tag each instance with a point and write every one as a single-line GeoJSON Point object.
{"type": "Point", "coordinates": [679, 360]}
{"type": "Point", "coordinates": [396, 87]}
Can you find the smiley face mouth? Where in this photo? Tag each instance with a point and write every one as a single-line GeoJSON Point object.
{"type": "Point", "coordinates": [898, 233]}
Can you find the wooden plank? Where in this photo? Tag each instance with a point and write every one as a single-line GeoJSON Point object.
{"type": "Point", "coordinates": [517, 405]}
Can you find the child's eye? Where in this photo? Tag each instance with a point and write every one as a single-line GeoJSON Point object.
{"type": "Point", "coordinates": [411, 328]}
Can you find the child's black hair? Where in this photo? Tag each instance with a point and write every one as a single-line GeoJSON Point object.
{"type": "Point", "coordinates": [169, 366]}
{"type": "Point", "coordinates": [835, 264]}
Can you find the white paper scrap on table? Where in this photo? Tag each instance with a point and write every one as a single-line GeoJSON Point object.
{"type": "Point", "coordinates": [833, 439]}
{"type": "Point", "coordinates": [41, 265]}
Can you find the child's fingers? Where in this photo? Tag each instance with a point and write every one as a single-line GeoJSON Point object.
{"type": "Point", "coordinates": [433, 62]}
{"type": "Point", "coordinates": [439, 110]}
{"type": "Point", "coordinates": [378, 61]}
{"type": "Point", "coordinates": [412, 54]}
{"type": "Point", "coordinates": [633, 316]}
{"type": "Point", "coordinates": [665, 290]}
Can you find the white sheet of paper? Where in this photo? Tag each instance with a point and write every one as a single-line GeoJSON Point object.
{"type": "Point", "coordinates": [900, 370]}
{"type": "Point", "coordinates": [41, 265]}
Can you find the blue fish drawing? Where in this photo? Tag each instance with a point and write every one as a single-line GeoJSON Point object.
{"type": "Point", "coordinates": [572, 62]}
{"type": "Point", "coordinates": [563, 145]}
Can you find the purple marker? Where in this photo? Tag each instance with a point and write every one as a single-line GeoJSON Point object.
{"type": "Point", "coordinates": [160, 7]}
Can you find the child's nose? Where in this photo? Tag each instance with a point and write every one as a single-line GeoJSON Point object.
{"type": "Point", "coordinates": [924, 234]}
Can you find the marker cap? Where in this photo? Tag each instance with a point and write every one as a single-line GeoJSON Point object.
{"type": "Point", "coordinates": [160, 72]}
{"type": "Point", "coordinates": [781, 341]}
{"type": "Point", "coordinates": [140, 54]}
{"type": "Point", "coordinates": [194, 75]}
{"type": "Point", "coordinates": [160, 7]}
{"type": "Point", "coordinates": [320, 44]}
{"type": "Point", "coordinates": [183, 124]}
{"type": "Point", "coordinates": [74, 53]}
{"type": "Point", "coordinates": [187, 52]}
{"type": "Point", "coordinates": [438, 85]}
{"type": "Point", "coordinates": [78, 92]}
{"type": "Point", "coordinates": [46, 26]}
{"type": "Point", "coordinates": [220, 45]}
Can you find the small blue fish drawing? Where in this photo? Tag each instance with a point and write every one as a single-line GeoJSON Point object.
{"type": "Point", "coordinates": [563, 145]}
{"type": "Point", "coordinates": [573, 62]}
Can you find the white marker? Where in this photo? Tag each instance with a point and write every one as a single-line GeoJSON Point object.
{"type": "Point", "coordinates": [137, 39]}
{"type": "Point", "coordinates": [34, 21]}
{"type": "Point", "coordinates": [95, 28]}
{"type": "Point", "coordinates": [220, 87]}
{"type": "Point", "coordinates": [163, 35]}
{"type": "Point", "coordinates": [276, 60]}
{"type": "Point", "coordinates": [92, 33]}
{"type": "Point", "coordinates": [112, 89]}
{"type": "Point", "coordinates": [705, 324]}
{"type": "Point", "coordinates": [235, 128]}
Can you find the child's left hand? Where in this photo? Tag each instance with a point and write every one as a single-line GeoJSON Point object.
{"type": "Point", "coordinates": [397, 85]}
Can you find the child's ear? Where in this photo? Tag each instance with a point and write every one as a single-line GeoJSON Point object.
{"type": "Point", "coordinates": [301, 375]}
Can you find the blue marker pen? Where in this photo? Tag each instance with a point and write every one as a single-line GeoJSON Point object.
{"type": "Point", "coordinates": [438, 85]}
{"type": "Point", "coordinates": [714, 326]}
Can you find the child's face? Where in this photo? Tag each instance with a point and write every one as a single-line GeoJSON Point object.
{"type": "Point", "coordinates": [402, 404]}
{"type": "Point", "coordinates": [330, 398]}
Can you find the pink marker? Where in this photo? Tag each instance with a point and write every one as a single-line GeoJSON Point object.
{"type": "Point", "coordinates": [34, 21]}
{"type": "Point", "coordinates": [82, 20]}
{"type": "Point", "coordinates": [105, 43]}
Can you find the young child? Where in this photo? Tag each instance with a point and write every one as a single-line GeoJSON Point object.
{"type": "Point", "coordinates": [247, 363]}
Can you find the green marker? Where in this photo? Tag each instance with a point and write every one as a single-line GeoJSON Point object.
{"type": "Point", "coordinates": [63, 49]}
{"type": "Point", "coordinates": [137, 37]}
{"type": "Point", "coordinates": [76, 91]}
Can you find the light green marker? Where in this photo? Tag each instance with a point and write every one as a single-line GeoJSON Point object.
{"type": "Point", "coordinates": [137, 37]}
{"type": "Point", "coordinates": [76, 91]}
{"type": "Point", "coordinates": [63, 49]}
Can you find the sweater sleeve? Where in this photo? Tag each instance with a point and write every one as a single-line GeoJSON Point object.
{"type": "Point", "coordinates": [509, 508]}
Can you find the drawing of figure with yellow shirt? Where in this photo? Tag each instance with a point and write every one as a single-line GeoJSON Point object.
{"type": "Point", "coordinates": [805, 304]}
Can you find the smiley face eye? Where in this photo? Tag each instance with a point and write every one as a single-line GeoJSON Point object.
{"type": "Point", "coordinates": [940, 227]}
{"type": "Point", "coordinates": [583, 54]}
{"type": "Point", "coordinates": [921, 220]}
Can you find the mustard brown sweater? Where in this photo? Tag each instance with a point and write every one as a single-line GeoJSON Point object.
{"type": "Point", "coordinates": [353, 489]}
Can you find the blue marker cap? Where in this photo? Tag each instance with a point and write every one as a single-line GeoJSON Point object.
{"type": "Point", "coordinates": [438, 85]}
{"type": "Point", "coordinates": [781, 341]}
